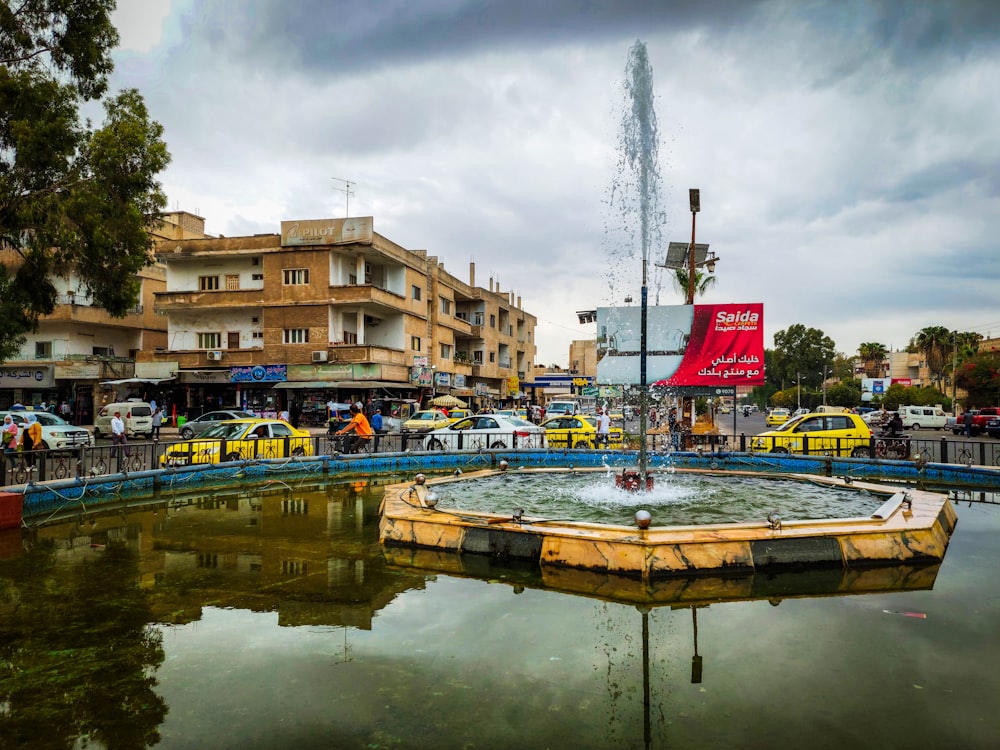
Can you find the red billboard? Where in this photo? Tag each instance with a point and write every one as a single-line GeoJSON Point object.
{"type": "Point", "coordinates": [687, 345]}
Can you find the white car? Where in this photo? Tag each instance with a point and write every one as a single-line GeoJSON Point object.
{"type": "Point", "coordinates": [486, 431]}
{"type": "Point", "coordinates": [57, 433]}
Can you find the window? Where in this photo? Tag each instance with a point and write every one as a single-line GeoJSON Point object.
{"type": "Point", "coordinates": [258, 334]}
{"type": "Point", "coordinates": [415, 342]}
{"type": "Point", "coordinates": [255, 261]}
{"type": "Point", "coordinates": [43, 350]}
{"type": "Point", "coordinates": [232, 282]}
{"type": "Point", "coordinates": [256, 277]}
{"type": "Point", "coordinates": [477, 358]}
{"type": "Point", "coordinates": [416, 291]}
{"type": "Point", "coordinates": [493, 356]}
{"type": "Point", "coordinates": [296, 335]}
{"type": "Point", "coordinates": [445, 351]}
{"type": "Point", "coordinates": [493, 321]}
{"type": "Point", "coordinates": [296, 276]}
{"type": "Point", "coordinates": [209, 340]}
{"type": "Point", "coordinates": [208, 283]}
{"type": "Point", "coordinates": [445, 306]}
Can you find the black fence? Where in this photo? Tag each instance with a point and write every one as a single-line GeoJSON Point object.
{"type": "Point", "coordinates": [39, 466]}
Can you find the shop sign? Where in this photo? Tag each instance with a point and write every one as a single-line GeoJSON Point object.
{"type": "Point", "coordinates": [327, 231]}
{"type": "Point", "coordinates": [202, 377]}
{"type": "Point", "coordinates": [442, 379]}
{"type": "Point", "coordinates": [459, 380]}
{"type": "Point", "coordinates": [481, 389]}
{"type": "Point", "coordinates": [422, 376]}
{"type": "Point", "coordinates": [420, 360]}
{"type": "Point", "coordinates": [366, 371]}
{"type": "Point", "coordinates": [513, 386]}
{"type": "Point", "coordinates": [78, 371]}
{"type": "Point", "coordinates": [258, 374]}
{"type": "Point", "coordinates": [329, 372]}
{"type": "Point", "coordinates": [27, 377]}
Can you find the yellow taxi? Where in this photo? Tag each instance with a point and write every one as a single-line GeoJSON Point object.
{"type": "Point", "coordinates": [239, 440]}
{"type": "Point", "coordinates": [833, 434]}
{"type": "Point", "coordinates": [455, 415]}
{"type": "Point", "coordinates": [578, 431]}
{"type": "Point", "coordinates": [426, 420]}
{"type": "Point", "coordinates": [776, 417]}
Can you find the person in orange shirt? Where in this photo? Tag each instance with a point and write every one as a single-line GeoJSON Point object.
{"type": "Point", "coordinates": [360, 427]}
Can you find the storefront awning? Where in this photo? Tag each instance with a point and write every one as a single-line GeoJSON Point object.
{"type": "Point", "coordinates": [128, 381]}
{"type": "Point", "coordinates": [334, 384]}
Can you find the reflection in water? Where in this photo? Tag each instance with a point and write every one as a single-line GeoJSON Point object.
{"type": "Point", "coordinates": [78, 655]}
{"type": "Point", "coordinates": [268, 616]}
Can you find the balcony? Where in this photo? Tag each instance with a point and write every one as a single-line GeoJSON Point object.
{"type": "Point", "coordinates": [358, 354]}
{"type": "Point", "coordinates": [368, 295]}
{"type": "Point", "coordinates": [226, 298]}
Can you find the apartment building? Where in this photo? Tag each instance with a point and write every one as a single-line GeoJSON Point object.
{"type": "Point", "coordinates": [82, 355]}
{"type": "Point", "coordinates": [329, 309]}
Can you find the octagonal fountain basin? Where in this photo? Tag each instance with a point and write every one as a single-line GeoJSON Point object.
{"type": "Point", "coordinates": [707, 522]}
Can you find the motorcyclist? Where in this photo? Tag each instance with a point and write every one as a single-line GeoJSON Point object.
{"type": "Point", "coordinates": [894, 427]}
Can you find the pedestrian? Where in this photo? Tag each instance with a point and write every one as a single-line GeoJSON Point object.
{"type": "Point", "coordinates": [652, 418]}
{"type": "Point", "coordinates": [967, 419]}
{"type": "Point", "coordinates": [296, 414]}
{"type": "Point", "coordinates": [31, 439]}
{"type": "Point", "coordinates": [157, 422]}
{"type": "Point", "coordinates": [65, 411]}
{"type": "Point", "coordinates": [361, 428]}
{"type": "Point", "coordinates": [376, 420]}
{"type": "Point", "coordinates": [284, 416]}
{"type": "Point", "coordinates": [8, 437]}
{"type": "Point", "coordinates": [118, 437]}
{"type": "Point", "coordinates": [603, 427]}
{"type": "Point", "coordinates": [674, 427]}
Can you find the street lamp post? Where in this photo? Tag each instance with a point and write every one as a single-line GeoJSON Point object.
{"type": "Point", "coordinates": [694, 197]}
{"type": "Point", "coordinates": [798, 389]}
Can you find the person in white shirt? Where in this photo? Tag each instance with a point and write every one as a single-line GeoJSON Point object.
{"type": "Point", "coordinates": [118, 436]}
{"type": "Point", "coordinates": [603, 426]}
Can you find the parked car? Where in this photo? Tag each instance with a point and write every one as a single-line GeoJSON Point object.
{"type": "Point", "coordinates": [802, 410]}
{"type": "Point", "coordinates": [137, 416]}
{"type": "Point", "coordinates": [993, 427]}
{"type": "Point", "coordinates": [839, 434]}
{"type": "Point", "coordinates": [981, 417]}
{"type": "Point", "coordinates": [240, 439]}
{"type": "Point", "coordinates": [57, 433]}
{"type": "Point", "coordinates": [776, 417]}
{"type": "Point", "coordinates": [455, 415]}
{"type": "Point", "coordinates": [198, 425]}
{"type": "Point", "coordinates": [578, 432]}
{"type": "Point", "coordinates": [486, 431]}
{"type": "Point", "coordinates": [426, 420]}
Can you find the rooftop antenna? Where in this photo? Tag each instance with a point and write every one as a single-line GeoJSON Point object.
{"type": "Point", "coordinates": [348, 191]}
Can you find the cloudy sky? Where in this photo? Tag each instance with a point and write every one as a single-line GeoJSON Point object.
{"type": "Point", "coordinates": [846, 151]}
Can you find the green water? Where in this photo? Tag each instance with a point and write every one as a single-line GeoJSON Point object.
{"type": "Point", "coordinates": [272, 619]}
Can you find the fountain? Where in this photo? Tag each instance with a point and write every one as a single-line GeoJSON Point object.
{"type": "Point", "coordinates": [914, 526]}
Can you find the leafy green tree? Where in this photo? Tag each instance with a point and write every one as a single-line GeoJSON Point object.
{"type": "Point", "coordinates": [845, 393]}
{"type": "Point", "coordinates": [74, 201]}
{"type": "Point", "coordinates": [803, 354]}
{"type": "Point", "coordinates": [980, 377]}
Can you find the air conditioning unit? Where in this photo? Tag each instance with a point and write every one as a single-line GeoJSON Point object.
{"type": "Point", "coordinates": [371, 320]}
{"type": "Point", "coordinates": [215, 356]}
{"type": "Point", "coordinates": [319, 356]}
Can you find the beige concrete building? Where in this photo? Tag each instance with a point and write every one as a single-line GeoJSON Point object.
{"type": "Point", "coordinates": [583, 357]}
{"type": "Point", "coordinates": [80, 351]}
{"type": "Point", "coordinates": [330, 309]}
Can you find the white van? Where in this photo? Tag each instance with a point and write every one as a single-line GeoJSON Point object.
{"type": "Point", "coordinates": [137, 416]}
{"type": "Point", "coordinates": [923, 417]}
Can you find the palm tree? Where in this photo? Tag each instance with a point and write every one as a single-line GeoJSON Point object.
{"type": "Point", "coordinates": [702, 281]}
{"type": "Point", "coordinates": [935, 343]}
{"type": "Point", "coordinates": [872, 354]}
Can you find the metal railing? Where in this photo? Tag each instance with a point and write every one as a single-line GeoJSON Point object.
{"type": "Point", "coordinates": [42, 465]}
